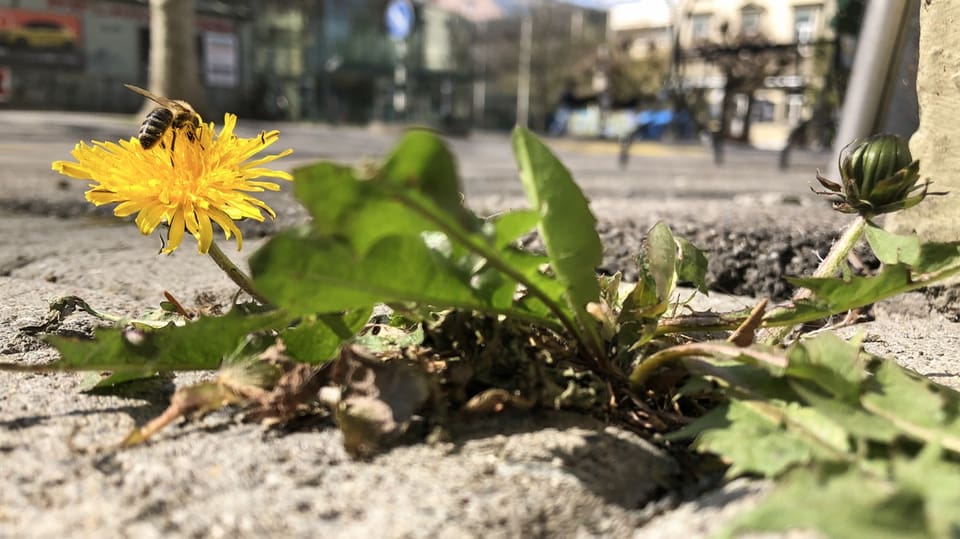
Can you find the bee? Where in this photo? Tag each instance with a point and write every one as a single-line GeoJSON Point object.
{"type": "Point", "coordinates": [171, 114]}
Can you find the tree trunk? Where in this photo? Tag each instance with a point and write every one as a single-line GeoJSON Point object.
{"type": "Point", "coordinates": [721, 131]}
{"type": "Point", "coordinates": [745, 132]}
{"type": "Point", "coordinates": [174, 70]}
{"type": "Point", "coordinates": [725, 104]}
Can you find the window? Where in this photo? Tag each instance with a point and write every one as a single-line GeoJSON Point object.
{"type": "Point", "coordinates": [700, 27]}
{"type": "Point", "coordinates": [805, 19]}
{"type": "Point", "coordinates": [750, 19]}
{"type": "Point", "coordinates": [762, 111]}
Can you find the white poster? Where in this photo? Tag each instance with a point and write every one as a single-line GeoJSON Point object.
{"type": "Point", "coordinates": [220, 59]}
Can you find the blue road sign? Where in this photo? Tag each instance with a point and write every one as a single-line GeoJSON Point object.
{"type": "Point", "coordinates": [399, 18]}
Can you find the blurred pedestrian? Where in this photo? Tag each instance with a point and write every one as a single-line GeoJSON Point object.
{"type": "Point", "coordinates": [561, 116]}
{"type": "Point", "coordinates": [648, 124]}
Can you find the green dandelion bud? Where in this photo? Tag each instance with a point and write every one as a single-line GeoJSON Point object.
{"type": "Point", "coordinates": [878, 176]}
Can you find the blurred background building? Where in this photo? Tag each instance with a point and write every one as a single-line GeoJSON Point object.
{"type": "Point", "coordinates": [757, 70]}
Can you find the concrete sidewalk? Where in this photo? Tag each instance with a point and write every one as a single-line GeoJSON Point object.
{"type": "Point", "coordinates": [540, 474]}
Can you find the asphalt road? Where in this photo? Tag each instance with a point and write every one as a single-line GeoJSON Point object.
{"type": "Point", "coordinates": [30, 141]}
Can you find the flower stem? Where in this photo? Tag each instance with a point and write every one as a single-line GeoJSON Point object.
{"type": "Point", "coordinates": [827, 268]}
{"type": "Point", "coordinates": [235, 273]}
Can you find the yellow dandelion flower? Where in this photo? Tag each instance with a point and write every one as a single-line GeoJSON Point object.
{"type": "Point", "coordinates": [188, 185]}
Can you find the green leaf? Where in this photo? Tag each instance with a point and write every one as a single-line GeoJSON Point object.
{"type": "Point", "coordinates": [567, 227]}
{"type": "Point", "coordinates": [199, 345]}
{"type": "Point", "coordinates": [830, 362]}
{"type": "Point", "coordinates": [421, 162]}
{"type": "Point", "coordinates": [920, 408]}
{"type": "Point", "coordinates": [843, 295]}
{"type": "Point", "coordinates": [660, 256]}
{"type": "Point", "coordinates": [404, 236]}
{"type": "Point", "coordinates": [941, 259]}
{"type": "Point", "coordinates": [94, 381]}
{"type": "Point", "coordinates": [317, 338]}
{"type": "Point", "coordinates": [692, 265]}
{"type": "Point", "coordinates": [328, 191]}
{"type": "Point", "coordinates": [343, 205]}
{"type": "Point", "coordinates": [935, 477]}
{"type": "Point", "coordinates": [840, 502]}
{"type": "Point", "coordinates": [835, 296]}
{"type": "Point", "coordinates": [851, 417]}
{"type": "Point", "coordinates": [768, 437]}
{"type": "Point", "coordinates": [656, 279]}
{"type": "Point", "coordinates": [307, 274]}
{"type": "Point", "coordinates": [892, 248]}
{"type": "Point", "coordinates": [511, 226]}
{"type": "Point", "coordinates": [935, 262]}
{"type": "Point", "coordinates": [642, 302]}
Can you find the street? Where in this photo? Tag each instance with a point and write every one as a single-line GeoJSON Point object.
{"type": "Point", "coordinates": [30, 141]}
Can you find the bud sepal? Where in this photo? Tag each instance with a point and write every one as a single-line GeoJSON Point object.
{"type": "Point", "coordinates": [877, 176]}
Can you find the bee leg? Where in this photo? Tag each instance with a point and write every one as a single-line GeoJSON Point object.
{"type": "Point", "coordinates": [192, 136]}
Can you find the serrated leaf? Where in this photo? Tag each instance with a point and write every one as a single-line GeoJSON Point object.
{"type": "Point", "coordinates": [830, 362]}
{"type": "Point", "coordinates": [834, 296]}
{"type": "Point", "coordinates": [567, 227]}
{"type": "Point", "coordinates": [918, 407]}
{"type": "Point", "coordinates": [936, 262]}
{"type": "Point", "coordinates": [199, 345]}
{"type": "Point", "coordinates": [935, 477]}
{"type": "Point", "coordinates": [768, 437]}
{"type": "Point", "coordinates": [893, 248]}
{"type": "Point", "coordinates": [840, 502]}
{"type": "Point", "coordinates": [851, 417]}
{"type": "Point", "coordinates": [642, 303]}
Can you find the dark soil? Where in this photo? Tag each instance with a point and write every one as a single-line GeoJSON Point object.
{"type": "Point", "coordinates": [746, 262]}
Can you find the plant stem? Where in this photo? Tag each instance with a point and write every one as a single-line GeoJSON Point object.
{"type": "Point", "coordinates": [828, 268]}
{"type": "Point", "coordinates": [838, 253]}
{"type": "Point", "coordinates": [493, 258]}
{"type": "Point", "coordinates": [652, 363]}
{"type": "Point", "coordinates": [235, 273]}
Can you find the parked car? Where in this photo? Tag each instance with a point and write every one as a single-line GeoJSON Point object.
{"type": "Point", "coordinates": [39, 35]}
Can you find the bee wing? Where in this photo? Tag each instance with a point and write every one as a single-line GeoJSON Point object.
{"type": "Point", "coordinates": [151, 96]}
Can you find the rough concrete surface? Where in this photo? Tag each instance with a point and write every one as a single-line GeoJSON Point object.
{"type": "Point", "coordinates": [936, 142]}
{"type": "Point", "coordinates": [539, 474]}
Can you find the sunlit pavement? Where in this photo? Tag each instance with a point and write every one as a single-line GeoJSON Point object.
{"type": "Point", "coordinates": [30, 141]}
{"type": "Point", "coordinates": [637, 148]}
